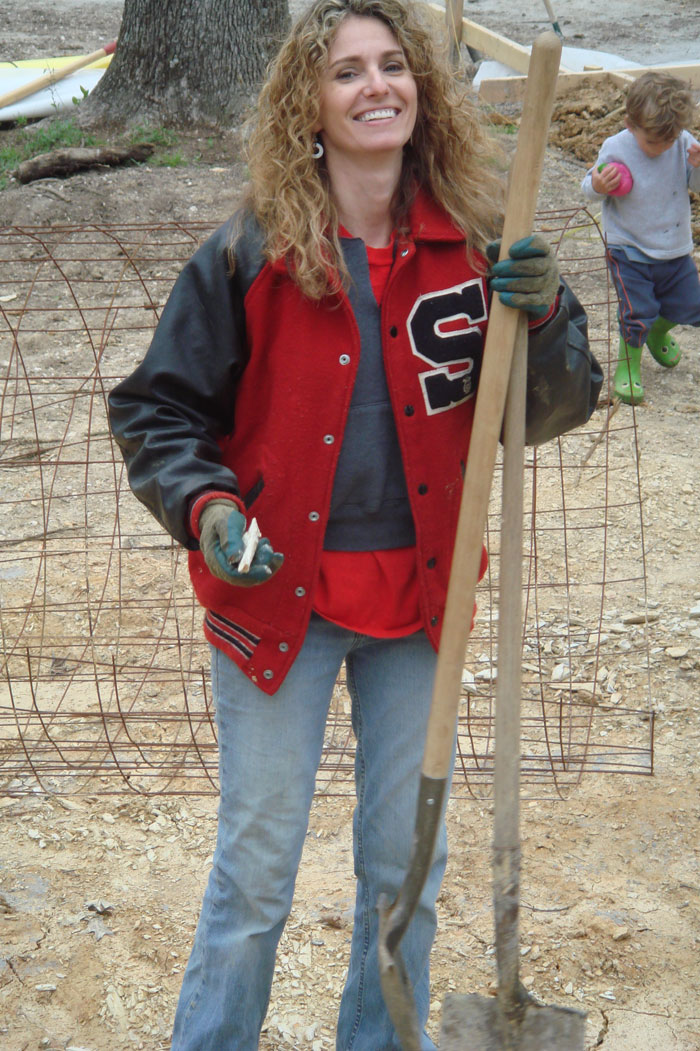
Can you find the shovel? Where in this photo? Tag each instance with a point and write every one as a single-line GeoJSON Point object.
{"type": "Point", "coordinates": [513, 1021]}
{"type": "Point", "coordinates": [488, 417]}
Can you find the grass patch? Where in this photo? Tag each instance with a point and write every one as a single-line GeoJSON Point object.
{"type": "Point", "coordinates": [27, 141]}
{"type": "Point", "coordinates": [162, 138]}
{"type": "Point", "coordinates": [172, 148]}
{"type": "Point", "coordinates": [165, 140]}
{"type": "Point", "coordinates": [167, 160]}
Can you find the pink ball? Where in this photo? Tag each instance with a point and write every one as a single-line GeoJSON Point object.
{"type": "Point", "coordinates": [626, 180]}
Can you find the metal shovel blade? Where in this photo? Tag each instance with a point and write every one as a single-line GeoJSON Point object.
{"type": "Point", "coordinates": [396, 988]}
{"type": "Point", "coordinates": [478, 1023]}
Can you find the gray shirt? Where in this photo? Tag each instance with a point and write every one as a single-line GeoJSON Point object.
{"type": "Point", "coordinates": [370, 506]}
{"type": "Point", "coordinates": [654, 217]}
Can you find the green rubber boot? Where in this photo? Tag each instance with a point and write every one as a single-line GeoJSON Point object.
{"type": "Point", "coordinates": [663, 347]}
{"type": "Point", "coordinates": [627, 382]}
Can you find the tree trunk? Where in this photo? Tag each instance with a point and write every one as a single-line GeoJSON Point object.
{"type": "Point", "coordinates": [187, 62]}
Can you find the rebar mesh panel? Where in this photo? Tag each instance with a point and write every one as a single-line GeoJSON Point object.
{"type": "Point", "coordinates": [104, 682]}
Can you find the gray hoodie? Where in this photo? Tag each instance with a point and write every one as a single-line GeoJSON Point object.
{"type": "Point", "coordinates": [654, 217]}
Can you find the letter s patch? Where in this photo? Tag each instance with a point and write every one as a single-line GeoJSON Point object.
{"type": "Point", "coordinates": [442, 328]}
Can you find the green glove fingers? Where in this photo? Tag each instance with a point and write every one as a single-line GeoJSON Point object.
{"type": "Point", "coordinates": [222, 542]}
{"type": "Point", "coordinates": [528, 279]}
{"type": "Point", "coordinates": [533, 245]}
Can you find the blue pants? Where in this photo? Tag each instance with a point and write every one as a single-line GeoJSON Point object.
{"type": "Point", "coordinates": [669, 288]}
{"type": "Point", "coordinates": [270, 749]}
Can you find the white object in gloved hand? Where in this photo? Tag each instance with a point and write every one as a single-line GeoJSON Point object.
{"type": "Point", "coordinates": [222, 540]}
{"type": "Point", "coordinates": [251, 538]}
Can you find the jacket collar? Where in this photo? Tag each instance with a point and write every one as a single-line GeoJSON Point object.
{"type": "Point", "coordinates": [428, 221]}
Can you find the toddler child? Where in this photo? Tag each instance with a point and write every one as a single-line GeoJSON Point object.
{"type": "Point", "coordinates": [647, 226]}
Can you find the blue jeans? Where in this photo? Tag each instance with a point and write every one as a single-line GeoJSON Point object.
{"type": "Point", "coordinates": [269, 752]}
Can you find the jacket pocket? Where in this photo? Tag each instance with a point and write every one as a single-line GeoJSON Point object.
{"type": "Point", "coordinates": [253, 493]}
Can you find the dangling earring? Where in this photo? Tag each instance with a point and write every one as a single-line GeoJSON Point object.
{"type": "Point", "coordinates": [317, 150]}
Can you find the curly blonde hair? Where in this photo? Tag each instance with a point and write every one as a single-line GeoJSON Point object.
{"type": "Point", "coordinates": [660, 104]}
{"type": "Point", "coordinates": [451, 154]}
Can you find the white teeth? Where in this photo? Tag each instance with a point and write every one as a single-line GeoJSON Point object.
{"type": "Point", "coordinates": [378, 114]}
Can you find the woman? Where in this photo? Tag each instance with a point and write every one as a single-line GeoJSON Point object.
{"type": "Point", "coordinates": [316, 367]}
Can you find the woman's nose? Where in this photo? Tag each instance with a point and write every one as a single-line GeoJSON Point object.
{"type": "Point", "coordinates": [376, 83]}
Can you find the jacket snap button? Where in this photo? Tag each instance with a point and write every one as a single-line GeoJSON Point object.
{"type": "Point", "coordinates": [433, 621]}
{"type": "Point", "coordinates": [314, 516]}
{"type": "Point", "coordinates": [267, 674]}
{"type": "Point", "coordinates": [328, 439]}
{"type": "Point", "coordinates": [283, 647]}
{"type": "Point", "coordinates": [430, 563]}
{"type": "Point", "coordinates": [422, 489]}
{"type": "Point", "coordinates": [409, 410]}
{"type": "Point", "coordinates": [393, 331]}
{"type": "Point", "coordinates": [404, 253]}
{"type": "Point", "coordinates": [300, 592]}
{"type": "Point", "coordinates": [344, 359]}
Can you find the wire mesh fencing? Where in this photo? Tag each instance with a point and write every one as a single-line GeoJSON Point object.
{"type": "Point", "coordinates": [104, 683]}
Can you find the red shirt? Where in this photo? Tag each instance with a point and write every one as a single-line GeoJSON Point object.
{"type": "Point", "coordinates": [372, 592]}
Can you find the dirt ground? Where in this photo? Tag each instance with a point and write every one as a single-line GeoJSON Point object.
{"type": "Point", "coordinates": [99, 895]}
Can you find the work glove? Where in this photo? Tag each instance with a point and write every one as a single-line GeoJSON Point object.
{"type": "Point", "coordinates": [221, 529]}
{"type": "Point", "coordinates": [529, 279]}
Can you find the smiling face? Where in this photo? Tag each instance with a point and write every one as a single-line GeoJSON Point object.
{"type": "Point", "coordinates": [368, 97]}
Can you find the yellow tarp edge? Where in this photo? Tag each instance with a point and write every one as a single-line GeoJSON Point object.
{"type": "Point", "coordinates": [48, 65]}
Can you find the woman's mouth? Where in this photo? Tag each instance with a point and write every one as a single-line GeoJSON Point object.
{"type": "Point", "coordinates": [377, 114]}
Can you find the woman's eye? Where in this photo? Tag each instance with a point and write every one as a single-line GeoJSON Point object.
{"type": "Point", "coordinates": [345, 74]}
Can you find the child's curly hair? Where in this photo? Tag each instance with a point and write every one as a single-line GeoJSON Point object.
{"type": "Point", "coordinates": [450, 154]}
{"type": "Point", "coordinates": [660, 104]}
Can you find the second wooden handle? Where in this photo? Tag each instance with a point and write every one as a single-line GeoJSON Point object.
{"type": "Point", "coordinates": [54, 76]}
{"type": "Point", "coordinates": [488, 415]}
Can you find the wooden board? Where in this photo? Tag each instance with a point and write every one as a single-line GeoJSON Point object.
{"type": "Point", "coordinates": [517, 57]}
{"type": "Point", "coordinates": [510, 89]}
{"type": "Point", "coordinates": [497, 47]}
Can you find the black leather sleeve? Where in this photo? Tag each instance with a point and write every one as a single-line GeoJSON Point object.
{"type": "Point", "coordinates": [168, 415]}
{"type": "Point", "coordinates": [563, 377]}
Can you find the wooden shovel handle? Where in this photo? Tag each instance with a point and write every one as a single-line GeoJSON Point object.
{"type": "Point", "coordinates": [506, 780]}
{"type": "Point", "coordinates": [488, 416]}
{"type": "Point", "coordinates": [10, 97]}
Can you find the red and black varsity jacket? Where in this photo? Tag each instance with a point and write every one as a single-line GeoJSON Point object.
{"type": "Point", "coordinates": [246, 388]}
